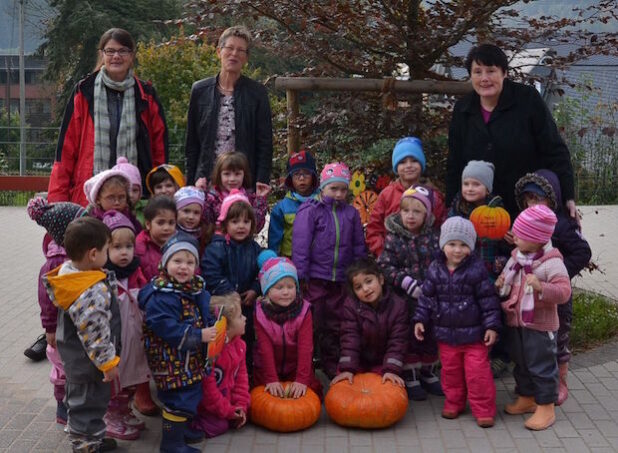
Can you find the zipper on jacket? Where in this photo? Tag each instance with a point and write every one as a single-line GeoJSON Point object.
{"type": "Point", "coordinates": [337, 238]}
{"type": "Point", "coordinates": [282, 368]}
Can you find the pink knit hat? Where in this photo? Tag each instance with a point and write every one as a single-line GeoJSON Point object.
{"type": "Point", "coordinates": [234, 196]}
{"type": "Point", "coordinates": [188, 195]}
{"type": "Point", "coordinates": [132, 172]}
{"type": "Point", "coordinates": [535, 224]}
{"type": "Point", "coordinates": [115, 220]}
{"type": "Point", "coordinates": [335, 172]}
{"type": "Point", "coordinates": [93, 185]}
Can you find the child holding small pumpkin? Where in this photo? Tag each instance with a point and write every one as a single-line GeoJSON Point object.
{"type": "Point", "coordinates": [462, 302]}
{"type": "Point", "coordinates": [374, 326]}
{"type": "Point", "coordinates": [476, 190]}
{"type": "Point", "coordinates": [225, 390]}
{"type": "Point", "coordinates": [409, 248]}
{"type": "Point", "coordinates": [284, 330]}
{"type": "Point", "coordinates": [409, 164]}
{"type": "Point", "coordinates": [543, 187]}
{"type": "Point", "coordinates": [327, 236]}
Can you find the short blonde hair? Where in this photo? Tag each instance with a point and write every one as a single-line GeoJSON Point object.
{"type": "Point", "coordinates": [238, 31]}
{"type": "Point", "coordinates": [228, 304]}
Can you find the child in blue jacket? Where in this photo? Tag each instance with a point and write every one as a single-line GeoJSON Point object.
{"type": "Point", "coordinates": [176, 329]}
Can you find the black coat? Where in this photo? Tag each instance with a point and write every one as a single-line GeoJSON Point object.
{"type": "Point", "coordinates": [521, 137]}
{"type": "Point", "coordinates": [254, 136]}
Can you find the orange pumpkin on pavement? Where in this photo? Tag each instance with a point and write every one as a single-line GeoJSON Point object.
{"type": "Point", "coordinates": [285, 414]}
{"type": "Point", "coordinates": [367, 403]}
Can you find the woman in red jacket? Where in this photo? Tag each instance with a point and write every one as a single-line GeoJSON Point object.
{"type": "Point", "coordinates": [111, 113]}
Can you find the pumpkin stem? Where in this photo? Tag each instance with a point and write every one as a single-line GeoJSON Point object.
{"type": "Point", "coordinates": [495, 201]}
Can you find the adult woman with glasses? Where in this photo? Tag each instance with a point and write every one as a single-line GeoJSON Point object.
{"type": "Point", "coordinates": [229, 112]}
{"type": "Point", "coordinates": [110, 114]}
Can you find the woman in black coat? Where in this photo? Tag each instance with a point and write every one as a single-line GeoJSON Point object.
{"type": "Point", "coordinates": [506, 123]}
{"type": "Point", "coordinates": [229, 112]}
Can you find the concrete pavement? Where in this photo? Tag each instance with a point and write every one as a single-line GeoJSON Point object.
{"type": "Point", "coordinates": [586, 422]}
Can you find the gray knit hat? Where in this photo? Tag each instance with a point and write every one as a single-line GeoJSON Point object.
{"type": "Point", "coordinates": [458, 229]}
{"type": "Point", "coordinates": [179, 241]}
{"type": "Point", "coordinates": [481, 171]}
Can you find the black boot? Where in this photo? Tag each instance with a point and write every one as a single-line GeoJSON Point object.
{"type": "Point", "coordinates": [173, 438]}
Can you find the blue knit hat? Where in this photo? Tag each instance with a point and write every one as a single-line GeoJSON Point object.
{"type": "Point", "coordinates": [408, 147]}
{"type": "Point", "coordinates": [273, 269]}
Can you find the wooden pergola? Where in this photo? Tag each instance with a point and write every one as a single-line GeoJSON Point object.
{"type": "Point", "coordinates": [292, 85]}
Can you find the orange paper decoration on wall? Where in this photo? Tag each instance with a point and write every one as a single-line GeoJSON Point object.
{"type": "Point", "coordinates": [367, 403]}
{"type": "Point", "coordinates": [491, 221]}
{"type": "Point", "coordinates": [363, 203]}
{"type": "Point", "coordinates": [284, 415]}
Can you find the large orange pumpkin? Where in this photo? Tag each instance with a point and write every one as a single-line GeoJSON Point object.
{"type": "Point", "coordinates": [491, 221]}
{"type": "Point", "coordinates": [285, 414]}
{"type": "Point", "coordinates": [367, 403]}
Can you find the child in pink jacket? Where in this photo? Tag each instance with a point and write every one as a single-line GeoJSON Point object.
{"type": "Point", "coordinates": [225, 400]}
{"type": "Point", "coordinates": [536, 281]}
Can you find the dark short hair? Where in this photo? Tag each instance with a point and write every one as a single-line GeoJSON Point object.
{"type": "Point", "coordinates": [488, 55]}
{"type": "Point", "coordinates": [361, 266]}
{"type": "Point", "coordinates": [119, 35]}
{"type": "Point", "coordinates": [231, 161]}
{"type": "Point", "coordinates": [157, 204]}
{"type": "Point", "coordinates": [160, 175]}
{"type": "Point", "coordinates": [237, 210]}
{"type": "Point", "coordinates": [84, 234]}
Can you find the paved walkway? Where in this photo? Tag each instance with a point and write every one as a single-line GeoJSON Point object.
{"type": "Point", "coordinates": [586, 422]}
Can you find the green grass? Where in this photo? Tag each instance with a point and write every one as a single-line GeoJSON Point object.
{"type": "Point", "coordinates": [13, 198]}
{"type": "Point", "coordinates": [595, 320]}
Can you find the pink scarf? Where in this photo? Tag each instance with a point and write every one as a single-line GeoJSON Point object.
{"type": "Point", "coordinates": [523, 263]}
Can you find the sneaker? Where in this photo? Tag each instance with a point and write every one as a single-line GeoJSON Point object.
{"type": "Point", "coordinates": [498, 368]}
{"type": "Point", "coordinates": [36, 352]}
{"type": "Point", "coordinates": [117, 429]}
{"type": "Point", "coordinates": [430, 382]}
{"type": "Point", "coordinates": [61, 413]}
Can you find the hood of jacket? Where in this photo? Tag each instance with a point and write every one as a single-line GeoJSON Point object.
{"type": "Point", "coordinates": [64, 289]}
{"type": "Point", "coordinates": [548, 181]}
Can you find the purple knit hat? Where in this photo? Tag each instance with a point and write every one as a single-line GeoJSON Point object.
{"type": "Point", "coordinates": [188, 195]}
{"type": "Point", "coordinates": [535, 224]}
{"type": "Point", "coordinates": [421, 194]}
{"type": "Point", "coordinates": [114, 220]}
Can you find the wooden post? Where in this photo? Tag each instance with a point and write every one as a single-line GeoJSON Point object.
{"type": "Point", "coordinates": [293, 130]}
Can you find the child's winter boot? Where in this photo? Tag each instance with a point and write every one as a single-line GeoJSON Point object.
{"type": "Point", "coordinates": [523, 405]}
{"type": "Point", "coordinates": [413, 385]}
{"type": "Point", "coordinates": [115, 425]}
{"type": "Point", "coordinates": [143, 400]}
{"type": "Point", "coordinates": [430, 381]}
{"type": "Point", "coordinates": [563, 389]}
{"type": "Point", "coordinates": [543, 417]}
{"type": "Point", "coordinates": [173, 435]}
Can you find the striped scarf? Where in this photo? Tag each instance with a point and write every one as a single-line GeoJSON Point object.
{"type": "Point", "coordinates": [126, 144]}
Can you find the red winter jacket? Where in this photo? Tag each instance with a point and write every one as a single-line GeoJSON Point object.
{"type": "Point", "coordinates": [149, 254]}
{"type": "Point", "coordinates": [227, 386]}
{"type": "Point", "coordinates": [387, 204]}
{"type": "Point", "coordinates": [75, 151]}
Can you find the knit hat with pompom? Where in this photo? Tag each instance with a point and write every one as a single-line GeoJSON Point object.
{"type": "Point", "coordinates": [54, 217]}
{"type": "Point", "coordinates": [273, 268]}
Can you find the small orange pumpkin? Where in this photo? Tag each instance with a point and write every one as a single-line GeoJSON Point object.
{"type": "Point", "coordinates": [284, 415]}
{"type": "Point", "coordinates": [367, 403]}
{"type": "Point", "coordinates": [363, 203]}
{"type": "Point", "coordinates": [491, 221]}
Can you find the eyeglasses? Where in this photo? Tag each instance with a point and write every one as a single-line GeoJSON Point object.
{"type": "Point", "coordinates": [238, 50]}
{"type": "Point", "coordinates": [302, 175]}
{"type": "Point", "coordinates": [122, 52]}
{"type": "Point", "coordinates": [113, 199]}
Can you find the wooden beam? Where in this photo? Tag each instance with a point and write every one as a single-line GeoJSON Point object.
{"type": "Point", "coordinates": [24, 183]}
{"type": "Point", "coordinates": [293, 112]}
{"type": "Point", "coordinates": [359, 84]}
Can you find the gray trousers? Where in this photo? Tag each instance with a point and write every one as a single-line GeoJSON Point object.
{"type": "Point", "coordinates": [536, 366]}
{"type": "Point", "coordinates": [87, 404]}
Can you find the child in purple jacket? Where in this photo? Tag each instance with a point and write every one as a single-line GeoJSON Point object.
{"type": "Point", "coordinates": [460, 300]}
{"type": "Point", "coordinates": [327, 236]}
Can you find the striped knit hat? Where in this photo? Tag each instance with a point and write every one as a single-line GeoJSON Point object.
{"type": "Point", "coordinates": [535, 224]}
{"type": "Point", "coordinates": [273, 268]}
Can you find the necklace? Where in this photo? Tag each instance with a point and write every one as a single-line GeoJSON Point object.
{"type": "Point", "coordinates": [225, 90]}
